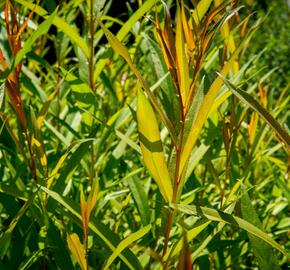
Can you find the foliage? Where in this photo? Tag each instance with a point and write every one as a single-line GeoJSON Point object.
{"type": "Point", "coordinates": [125, 141]}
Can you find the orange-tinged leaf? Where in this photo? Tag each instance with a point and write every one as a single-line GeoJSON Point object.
{"type": "Point", "coordinates": [229, 39]}
{"type": "Point", "coordinates": [167, 38]}
{"type": "Point", "coordinates": [2, 60]}
{"type": "Point", "coordinates": [77, 249]}
{"type": "Point", "coordinates": [187, 31]}
{"type": "Point", "coordinates": [24, 25]}
{"type": "Point", "coordinates": [253, 127]}
{"type": "Point", "coordinates": [245, 24]}
{"type": "Point", "coordinates": [15, 99]}
{"type": "Point", "coordinates": [263, 95]}
{"type": "Point", "coordinates": [151, 146]}
{"type": "Point", "coordinates": [168, 57]}
{"type": "Point", "coordinates": [206, 108]}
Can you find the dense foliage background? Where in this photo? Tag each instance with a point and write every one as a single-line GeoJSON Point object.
{"type": "Point", "coordinates": [122, 148]}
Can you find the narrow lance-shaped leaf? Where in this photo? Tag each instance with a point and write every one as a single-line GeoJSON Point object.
{"type": "Point", "coordinates": [16, 218]}
{"type": "Point", "coordinates": [251, 102]}
{"type": "Point", "coordinates": [197, 229]}
{"type": "Point", "coordinates": [61, 24]}
{"type": "Point", "coordinates": [200, 10]}
{"type": "Point", "coordinates": [46, 105]}
{"type": "Point", "coordinates": [229, 39]}
{"type": "Point", "coordinates": [187, 31]}
{"type": "Point", "coordinates": [147, 6]}
{"type": "Point", "coordinates": [110, 242]}
{"type": "Point", "coordinates": [221, 216]}
{"type": "Point", "coordinates": [77, 250]}
{"type": "Point", "coordinates": [182, 63]}
{"type": "Point", "coordinates": [37, 143]}
{"type": "Point", "coordinates": [263, 252]}
{"type": "Point", "coordinates": [121, 49]}
{"type": "Point", "coordinates": [41, 30]}
{"type": "Point", "coordinates": [126, 243]}
{"type": "Point", "coordinates": [151, 146]}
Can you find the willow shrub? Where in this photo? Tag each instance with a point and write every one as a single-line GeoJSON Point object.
{"type": "Point", "coordinates": [151, 151]}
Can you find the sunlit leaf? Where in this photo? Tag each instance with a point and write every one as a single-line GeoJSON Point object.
{"type": "Point", "coordinates": [77, 249]}
{"type": "Point", "coordinates": [125, 243]}
{"type": "Point", "coordinates": [151, 146]}
{"type": "Point", "coordinates": [121, 49]}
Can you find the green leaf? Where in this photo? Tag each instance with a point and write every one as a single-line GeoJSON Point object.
{"type": "Point", "coordinates": [41, 30]}
{"type": "Point", "coordinates": [151, 146]}
{"type": "Point", "coordinates": [263, 251]}
{"type": "Point", "coordinates": [126, 243]}
{"type": "Point", "coordinates": [126, 28]}
{"type": "Point", "coordinates": [58, 247]}
{"type": "Point", "coordinates": [191, 234]}
{"type": "Point", "coordinates": [251, 102]}
{"type": "Point", "coordinates": [6, 235]}
{"type": "Point", "coordinates": [140, 198]}
{"type": "Point", "coordinates": [220, 216]}
{"type": "Point", "coordinates": [61, 24]}
{"type": "Point", "coordinates": [106, 236]}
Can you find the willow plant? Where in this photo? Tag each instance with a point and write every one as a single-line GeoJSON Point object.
{"type": "Point", "coordinates": [75, 133]}
{"type": "Point", "coordinates": [185, 45]}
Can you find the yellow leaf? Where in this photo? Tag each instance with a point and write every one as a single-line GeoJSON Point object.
{"type": "Point", "coordinates": [56, 168]}
{"type": "Point", "coordinates": [125, 243]}
{"type": "Point", "coordinates": [119, 48]}
{"type": "Point", "coordinates": [92, 200]}
{"type": "Point", "coordinates": [229, 39]}
{"type": "Point", "coordinates": [77, 249]}
{"type": "Point", "coordinates": [182, 62]}
{"type": "Point", "coordinates": [200, 10]}
{"type": "Point", "coordinates": [151, 146]}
